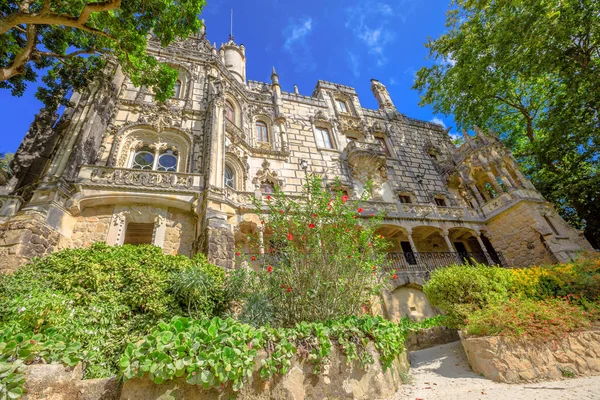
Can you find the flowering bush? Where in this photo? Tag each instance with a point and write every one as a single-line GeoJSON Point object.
{"type": "Point", "coordinates": [524, 317]}
{"type": "Point", "coordinates": [321, 260]}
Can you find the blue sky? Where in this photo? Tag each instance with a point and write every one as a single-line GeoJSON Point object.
{"type": "Point", "coordinates": [347, 42]}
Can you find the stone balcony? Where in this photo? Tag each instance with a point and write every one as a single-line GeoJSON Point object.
{"type": "Point", "coordinates": [94, 175]}
{"type": "Point", "coordinates": [364, 155]}
{"type": "Point", "coordinates": [506, 200]}
{"type": "Point", "coordinates": [429, 261]}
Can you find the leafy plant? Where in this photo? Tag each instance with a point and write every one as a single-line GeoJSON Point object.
{"type": "Point", "coordinates": [460, 289]}
{"type": "Point", "coordinates": [322, 258]}
{"type": "Point", "coordinates": [216, 352]}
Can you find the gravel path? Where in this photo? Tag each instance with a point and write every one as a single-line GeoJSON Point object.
{"type": "Point", "coordinates": [442, 372]}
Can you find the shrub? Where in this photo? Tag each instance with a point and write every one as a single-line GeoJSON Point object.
{"type": "Point", "coordinates": [519, 317]}
{"type": "Point", "coordinates": [461, 289]}
{"type": "Point", "coordinates": [212, 353]}
{"type": "Point", "coordinates": [322, 259]}
{"type": "Point", "coordinates": [101, 297]}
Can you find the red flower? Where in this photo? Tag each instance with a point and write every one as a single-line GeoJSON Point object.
{"type": "Point", "coordinates": [268, 197]}
{"type": "Point", "coordinates": [314, 215]}
{"type": "Point", "coordinates": [253, 258]}
{"type": "Point", "coordinates": [344, 198]}
{"type": "Point", "coordinates": [380, 236]}
{"type": "Point", "coordinates": [349, 256]}
{"type": "Point", "coordinates": [283, 285]}
{"type": "Point", "coordinates": [360, 210]}
{"type": "Point", "coordinates": [370, 244]}
{"type": "Point", "coordinates": [289, 236]}
{"type": "Point", "coordinates": [237, 254]}
{"type": "Point", "coordinates": [311, 226]}
{"type": "Point", "coordinates": [329, 208]}
{"type": "Point", "coordinates": [395, 276]}
{"type": "Point", "coordinates": [289, 289]}
{"type": "Point", "coordinates": [269, 269]}
{"type": "Point", "coordinates": [262, 222]}
{"type": "Point", "coordinates": [372, 215]}
{"type": "Point", "coordinates": [280, 211]}
{"type": "Point", "coordinates": [354, 216]}
{"type": "Point", "coordinates": [466, 321]}
{"type": "Point", "coordinates": [374, 267]}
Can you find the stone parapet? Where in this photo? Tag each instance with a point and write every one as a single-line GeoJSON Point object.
{"type": "Point", "coordinates": [511, 360]}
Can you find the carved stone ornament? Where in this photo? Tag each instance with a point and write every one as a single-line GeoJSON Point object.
{"type": "Point", "coordinates": [320, 116]}
{"type": "Point", "coordinates": [266, 174]}
{"type": "Point", "coordinates": [347, 123]}
{"type": "Point", "coordinates": [160, 116]}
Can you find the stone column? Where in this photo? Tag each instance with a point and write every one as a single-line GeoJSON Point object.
{"type": "Point", "coordinates": [412, 243]}
{"type": "Point", "coordinates": [448, 242]}
{"type": "Point", "coordinates": [508, 176]}
{"type": "Point", "coordinates": [487, 256]}
{"type": "Point", "coordinates": [494, 183]}
{"type": "Point", "coordinates": [476, 193]}
{"type": "Point", "coordinates": [219, 241]}
{"type": "Point", "coordinates": [261, 240]}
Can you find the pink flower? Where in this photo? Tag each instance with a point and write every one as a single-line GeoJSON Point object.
{"type": "Point", "coordinates": [269, 269]}
{"type": "Point", "coordinates": [311, 226]}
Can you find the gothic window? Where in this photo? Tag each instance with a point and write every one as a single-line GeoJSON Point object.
{"type": "Point", "coordinates": [143, 159]}
{"type": "Point", "coordinates": [323, 138]}
{"type": "Point", "coordinates": [167, 161]}
{"type": "Point", "coordinates": [229, 177]}
{"type": "Point", "coordinates": [229, 112]}
{"type": "Point", "coordinates": [342, 106]}
{"type": "Point", "coordinates": [177, 89]}
{"type": "Point", "coordinates": [384, 145]}
{"type": "Point", "coordinates": [262, 134]}
{"type": "Point", "coordinates": [139, 233]}
{"type": "Point", "coordinates": [267, 187]}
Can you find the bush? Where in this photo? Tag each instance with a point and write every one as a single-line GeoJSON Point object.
{"type": "Point", "coordinates": [322, 259]}
{"type": "Point", "coordinates": [524, 317]}
{"type": "Point", "coordinates": [102, 298]}
{"type": "Point", "coordinates": [212, 353]}
{"type": "Point", "coordinates": [461, 289]}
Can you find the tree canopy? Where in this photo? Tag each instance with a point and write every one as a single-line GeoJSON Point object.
{"type": "Point", "coordinates": [530, 70]}
{"type": "Point", "coordinates": [69, 41]}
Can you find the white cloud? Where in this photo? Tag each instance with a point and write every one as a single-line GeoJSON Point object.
{"type": "Point", "coordinates": [438, 121]}
{"type": "Point", "coordinates": [354, 63]}
{"type": "Point", "coordinates": [295, 34]}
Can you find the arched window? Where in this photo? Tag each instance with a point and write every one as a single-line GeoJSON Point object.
{"type": "Point", "coordinates": [146, 158]}
{"type": "Point", "coordinates": [262, 134]}
{"type": "Point", "coordinates": [167, 161]}
{"type": "Point", "coordinates": [323, 138]}
{"type": "Point", "coordinates": [177, 89]}
{"type": "Point", "coordinates": [143, 159]}
{"type": "Point", "coordinates": [229, 112]}
{"type": "Point", "coordinates": [229, 177]}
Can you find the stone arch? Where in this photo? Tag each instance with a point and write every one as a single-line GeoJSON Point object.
{"type": "Point", "coordinates": [408, 300]}
{"type": "Point", "coordinates": [133, 137]}
{"type": "Point", "coordinates": [185, 77]}
{"type": "Point", "coordinates": [271, 137]}
{"type": "Point", "coordinates": [241, 175]}
{"type": "Point", "coordinates": [237, 109]}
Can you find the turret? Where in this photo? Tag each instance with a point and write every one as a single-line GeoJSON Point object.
{"type": "Point", "coordinates": [234, 58]}
{"type": "Point", "coordinates": [382, 95]}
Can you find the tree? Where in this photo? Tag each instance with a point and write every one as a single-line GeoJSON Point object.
{"type": "Point", "coordinates": [530, 71]}
{"type": "Point", "coordinates": [71, 40]}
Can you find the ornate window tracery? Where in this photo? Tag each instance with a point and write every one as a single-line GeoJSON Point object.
{"type": "Point", "coordinates": [229, 177]}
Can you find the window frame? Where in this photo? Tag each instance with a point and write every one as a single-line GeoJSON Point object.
{"type": "Point", "coordinates": [233, 186]}
{"type": "Point", "coordinates": [177, 88]}
{"type": "Point", "coordinates": [229, 109]}
{"type": "Point", "coordinates": [264, 130]}
{"type": "Point", "coordinates": [386, 149]}
{"type": "Point", "coordinates": [321, 133]}
{"type": "Point", "coordinates": [342, 106]}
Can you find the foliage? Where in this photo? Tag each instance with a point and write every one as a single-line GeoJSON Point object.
{"type": "Point", "coordinates": [102, 297]}
{"type": "Point", "coordinates": [549, 318]}
{"type": "Point", "coordinates": [71, 42]}
{"type": "Point", "coordinates": [461, 289]}
{"type": "Point", "coordinates": [212, 353]}
{"type": "Point", "coordinates": [321, 261]}
{"type": "Point", "coordinates": [5, 159]}
{"type": "Point", "coordinates": [528, 70]}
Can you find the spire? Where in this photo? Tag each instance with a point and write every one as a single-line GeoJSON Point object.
{"type": "Point", "coordinates": [231, 27]}
{"type": "Point", "coordinates": [274, 72]}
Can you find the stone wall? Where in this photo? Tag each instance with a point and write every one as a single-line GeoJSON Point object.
{"type": "Point", "coordinates": [24, 237]}
{"type": "Point", "coordinates": [513, 233]}
{"type": "Point", "coordinates": [337, 380]}
{"type": "Point", "coordinates": [90, 227]}
{"type": "Point", "coordinates": [511, 360]}
{"type": "Point", "coordinates": [179, 235]}
{"type": "Point", "coordinates": [426, 338]}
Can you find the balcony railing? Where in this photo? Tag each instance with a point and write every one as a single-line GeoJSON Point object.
{"type": "Point", "coordinates": [419, 262]}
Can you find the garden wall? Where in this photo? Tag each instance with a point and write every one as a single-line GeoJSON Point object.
{"type": "Point", "coordinates": [337, 380]}
{"type": "Point", "coordinates": [511, 360]}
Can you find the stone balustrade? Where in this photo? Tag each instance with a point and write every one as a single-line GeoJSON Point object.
{"type": "Point", "coordinates": [506, 200]}
{"type": "Point", "coordinates": [93, 175]}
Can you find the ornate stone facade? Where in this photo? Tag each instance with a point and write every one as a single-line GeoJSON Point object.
{"type": "Point", "coordinates": [184, 171]}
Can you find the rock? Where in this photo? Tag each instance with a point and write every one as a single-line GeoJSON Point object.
{"type": "Point", "coordinates": [426, 338]}
{"type": "Point", "coordinates": [513, 360]}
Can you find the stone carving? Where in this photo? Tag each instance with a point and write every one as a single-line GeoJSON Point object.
{"type": "Point", "coordinates": [160, 116]}
{"type": "Point", "coordinates": [347, 123]}
{"type": "Point", "coordinates": [267, 175]}
{"type": "Point", "coordinates": [142, 178]}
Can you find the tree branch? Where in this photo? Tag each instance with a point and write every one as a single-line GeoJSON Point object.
{"type": "Point", "coordinates": [97, 7]}
{"type": "Point", "coordinates": [18, 64]}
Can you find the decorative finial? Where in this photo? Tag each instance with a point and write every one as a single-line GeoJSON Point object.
{"type": "Point", "coordinates": [296, 91]}
{"type": "Point", "coordinates": [274, 72]}
{"type": "Point", "coordinates": [231, 27]}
